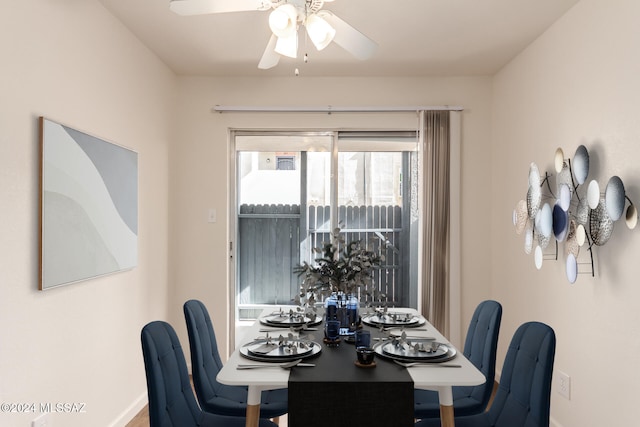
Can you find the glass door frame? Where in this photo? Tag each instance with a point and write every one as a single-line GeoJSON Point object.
{"type": "Point", "coordinates": [233, 223]}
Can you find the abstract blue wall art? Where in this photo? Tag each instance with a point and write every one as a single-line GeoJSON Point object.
{"type": "Point", "coordinates": [89, 206]}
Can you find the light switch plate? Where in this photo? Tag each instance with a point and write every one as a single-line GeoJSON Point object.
{"type": "Point", "coordinates": [213, 215]}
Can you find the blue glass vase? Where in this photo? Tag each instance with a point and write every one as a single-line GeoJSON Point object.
{"type": "Point", "coordinates": [343, 308]}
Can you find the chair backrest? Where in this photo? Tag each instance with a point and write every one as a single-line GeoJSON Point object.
{"type": "Point", "coordinates": [205, 358]}
{"type": "Point", "coordinates": [171, 400]}
{"type": "Point", "coordinates": [480, 348]}
{"type": "Point", "coordinates": [524, 395]}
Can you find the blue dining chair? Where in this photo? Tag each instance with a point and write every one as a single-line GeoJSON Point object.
{"type": "Point", "coordinates": [524, 394]}
{"type": "Point", "coordinates": [171, 399]}
{"type": "Point", "coordinates": [205, 365]}
{"type": "Point", "coordinates": [480, 348]}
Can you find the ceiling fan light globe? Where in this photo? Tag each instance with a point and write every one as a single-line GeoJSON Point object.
{"type": "Point", "coordinates": [320, 32]}
{"type": "Point", "coordinates": [288, 46]}
{"type": "Point", "coordinates": [283, 21]}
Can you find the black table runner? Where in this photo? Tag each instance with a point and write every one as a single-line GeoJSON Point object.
{"type": "Point", "coordinates": [338, 393]}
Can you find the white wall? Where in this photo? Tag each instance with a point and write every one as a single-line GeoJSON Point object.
{"type": "Point", "coordinates": [72, 62]}
{"type": "Point", "coordinates": [577, 84]}
{"type": "Point", "coordinates": [200, 164]}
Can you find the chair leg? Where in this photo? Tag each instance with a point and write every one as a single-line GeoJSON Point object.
{"type": "Point", "coordinates": [493, 394]}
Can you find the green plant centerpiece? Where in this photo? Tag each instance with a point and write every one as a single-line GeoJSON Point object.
{"type": "Point", "coordinates": [343, 271]}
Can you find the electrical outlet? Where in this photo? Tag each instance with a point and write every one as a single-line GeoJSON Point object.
{"type": "Point", "coordinates": [563, 384]}
{"type": "Point", "coordinates": [42, 421]}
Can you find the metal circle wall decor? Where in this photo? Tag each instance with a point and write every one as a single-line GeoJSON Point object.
{"type": "Point", "coordinates": [581, 235]}
{"type": "Point", "coordinates": [572, 246]}
{"type": "Point", "coordinates": [582, 212]}
{"type": "Point", "coordinates": [614, 198]}
{"type": "Point", "coordinates": [560, 222]}
{"type": "Point", "coordinates": [528, 238]}
{"type": "Point", "coordinates": [600, 224]}
{"type": "Point", "coordinates": [581, 164]}
{"type": "Point", "coordinates": [546, 220]}
{"type": "Point", "coordinates": [565, 196]}
{"type": "Point", "coordinates": [520, 216]}
{"type": "Point", "coordinates": [534, 175]}
{"type": "Point", "coordinates": [631, 217]}
{"type": "Point", "coordinates": [543, 241]}
{"type": "Point", "coordinates": [559, 160]}
{"type": "Point", "coordinates": [566, 209]}
{"type": "Point", "coordinates": [593, 194]}
{"type": "Point", "coordinates": [534, 197]}
{"type": "Point", "coordinates": [572, 268]}
{"type": "Point", "coordinates": [538, 257]}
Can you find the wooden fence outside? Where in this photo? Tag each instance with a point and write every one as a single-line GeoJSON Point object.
{"type": "Point", "coordinates": [272, 242]}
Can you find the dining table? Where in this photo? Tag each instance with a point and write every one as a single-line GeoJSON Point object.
{"type": "Point", "coordinates": [366, 391]}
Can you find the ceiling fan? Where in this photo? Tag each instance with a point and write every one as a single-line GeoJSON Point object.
{"type": "Point", "coordinates": [285, 18]}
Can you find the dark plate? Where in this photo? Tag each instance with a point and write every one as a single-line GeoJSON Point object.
{"type": "Point", "coordinates": [285, 321]}
{"type": "Point", "coordinates": [254, 351]}
{"type": "Point", "coordinates": [388, 350]}
{"type": "Point", "coordinates": [388, 319]}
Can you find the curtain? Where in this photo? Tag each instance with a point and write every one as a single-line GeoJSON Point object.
{"type": "Point", "coordinates": [436, 230]}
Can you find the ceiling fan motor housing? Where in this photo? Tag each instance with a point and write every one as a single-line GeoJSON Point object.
{"type": "Point", "coordinates": [304, 6]}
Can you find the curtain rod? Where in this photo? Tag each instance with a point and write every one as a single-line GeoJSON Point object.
{"type": "Point", "coordinates": [331, 109]}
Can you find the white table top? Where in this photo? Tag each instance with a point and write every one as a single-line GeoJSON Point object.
{"type": "Point", "coordinates": [429, 378]}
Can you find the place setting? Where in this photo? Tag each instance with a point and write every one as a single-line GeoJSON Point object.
{"type": "Point", "coordinates": [295, 319]}
{"type": "Point", "coordinates": [415, 352]}
{"type": "Point", "coordinates": [288, 350]}
{"type": "Point", "coordinates": [384, 318]}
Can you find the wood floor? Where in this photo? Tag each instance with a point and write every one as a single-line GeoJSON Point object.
{"type": "Point", "coordinates": [140, 420]}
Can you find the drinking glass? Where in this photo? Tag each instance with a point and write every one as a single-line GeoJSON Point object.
{"type": "Point", "coordinates": [332, 329]}
{"type": "Point", "coordinates": [363, 338]}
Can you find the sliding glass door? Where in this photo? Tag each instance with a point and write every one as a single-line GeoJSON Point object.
{"type": "Point", "coordinates": [293, 188]}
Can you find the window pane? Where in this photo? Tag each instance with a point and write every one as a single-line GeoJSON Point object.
{"type": "Point", "coordinates": [263, 180]}
{"type": "Point", "coordinates": [369, 179]}
{"type": "Point", "coordinates": [318, 178]}
{"type": "Point", "coordinates": [371, 210]}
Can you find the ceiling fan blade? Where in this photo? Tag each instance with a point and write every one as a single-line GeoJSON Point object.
{"type": "Point", "coordinates": [350, 39]}
{"type": "Point", "coordinates": [270, 57]}
{"type": "Point", "coordinates": [203, 7]}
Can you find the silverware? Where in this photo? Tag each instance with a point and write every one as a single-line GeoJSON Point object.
{"type": "Point", "coordinates": [426, 365]}
{"type": "Point", "coordinates": [286, 365]}
{"type": "Point", "coordinates": [413, 337]}
{"type": "Point", "coordinates": [408, 336]}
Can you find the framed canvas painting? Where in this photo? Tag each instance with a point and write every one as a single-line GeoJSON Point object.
{"type": "Point", "coordinates": [89, 206]}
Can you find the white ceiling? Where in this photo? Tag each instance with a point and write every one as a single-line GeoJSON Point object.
{"type": "Point", "coordinates": [415, 37]}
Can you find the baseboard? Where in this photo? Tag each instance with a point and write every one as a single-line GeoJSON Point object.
{"type": "Point", "coordinates": [554, 423]}
{"type": "Point", "coordinates": [133, 410]}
